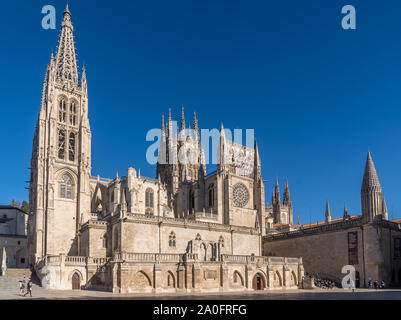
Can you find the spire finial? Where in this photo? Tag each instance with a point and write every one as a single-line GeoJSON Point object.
{"type": "Point", "coordinates": [67, 10]}
{"type": "Point", "coordinates": [162, 122]}
{"type": "Point", "coordinates": [345, 211]}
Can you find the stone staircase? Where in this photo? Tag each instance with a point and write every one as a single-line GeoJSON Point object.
{"type": "Point", "coordinates": [9, 284]}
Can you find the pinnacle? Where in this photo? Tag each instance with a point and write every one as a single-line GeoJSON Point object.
{"type": "Point", "coordinates": [370, 177]}
{"type": "Point", "coordinates": [67, 10]}
{"type": "Point", "coordinates": [328, 211]}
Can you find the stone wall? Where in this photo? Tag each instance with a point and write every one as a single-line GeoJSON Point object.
{"type": "Point", "coordinates": [150, 236]}
{"type": "Point", "coordinates": [326, 251]}
{"type": "Point", "coordinates": [162, 273]}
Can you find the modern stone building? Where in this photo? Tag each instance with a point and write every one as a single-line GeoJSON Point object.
{"type": "Point", "coordinates": [13, 236]}
{"type": "Point", "coordinates": [369, 242]}
{"type": "Point", "coordinates": [184, 231]}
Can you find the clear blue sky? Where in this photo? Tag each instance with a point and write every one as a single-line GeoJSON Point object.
{"type": "Point", "coordinates": [317, 96]}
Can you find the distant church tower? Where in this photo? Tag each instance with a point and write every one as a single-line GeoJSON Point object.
{"type": "Point", "coordinates": [59, 194]}
{"type": "Point", "coordinates": [371, 194]}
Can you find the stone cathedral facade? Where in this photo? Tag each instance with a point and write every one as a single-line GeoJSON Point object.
{"type": "Point", "coordinates": [183, 231]}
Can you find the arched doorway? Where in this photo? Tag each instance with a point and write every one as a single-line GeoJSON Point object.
{"type": "Point", "coordinates": [357, 280]}
{"type": "Point", "coordinates": [76, 281]}
{"type": "Point", "coordinates": [258, 283]}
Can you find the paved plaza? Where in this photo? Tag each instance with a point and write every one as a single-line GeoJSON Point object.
{"type": "Point", "coordinates": [315, 294]}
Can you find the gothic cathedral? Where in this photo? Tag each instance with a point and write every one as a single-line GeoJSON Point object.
{"type": "Point", "coordinates": [184, 230]}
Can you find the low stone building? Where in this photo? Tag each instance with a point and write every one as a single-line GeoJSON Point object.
{"type": "Point", "coordinates": [13, 236]}
{"type": "Point", "coordinates": [369, 242]}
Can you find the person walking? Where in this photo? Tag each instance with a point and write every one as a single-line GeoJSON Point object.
{"type": "Point", "coordinates": [29, 289]}
{"type": "Point", "coordinates": [21, 288]}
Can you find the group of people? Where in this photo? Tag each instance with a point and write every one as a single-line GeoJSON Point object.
{"type": "Point", "coordinates": [376, 284]}
{"type": "Point", "coordinates": [324, 283]}
{"type": "Point", "coordinates": [320, 282]}
{"type": "Point", "coordinates": [25, 287]}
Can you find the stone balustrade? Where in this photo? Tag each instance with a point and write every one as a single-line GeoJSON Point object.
{"type": "Point", "coordinates": [239, 259]}
{"type": "Point", "coordinates": [70, 260]}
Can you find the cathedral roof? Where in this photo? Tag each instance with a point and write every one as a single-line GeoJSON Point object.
{"type": "Point", "coordinates": [320, 223]}
{"type": "Point", "coordinates": [370, 177]}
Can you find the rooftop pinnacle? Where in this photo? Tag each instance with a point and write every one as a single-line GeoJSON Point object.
{"type": "Point", "coordinates": [370, 177]}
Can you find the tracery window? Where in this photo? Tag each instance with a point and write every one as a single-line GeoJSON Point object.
{"type": "Point", "coordinates": [172, 239]}
{"type": "Point", "coordinates": [61, 144]}
{"type": "Point", "coordinates": [73, 113]}
{"type": "Point", "coordinates": [71, 147]}
{"type": "Point", "coordinates": [149, 198]}
{"type": "Point", "coordinates": [240, 195]}
{"type": "Point", "coordinates": [62, 111]}
{"type": "Point", "coordinates": [66, 187]}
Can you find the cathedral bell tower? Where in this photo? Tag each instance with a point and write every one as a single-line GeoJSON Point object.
{"type": "Point", "coordinates": [59, 194]}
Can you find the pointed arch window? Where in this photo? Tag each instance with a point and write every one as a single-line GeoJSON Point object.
{"type": "Point", "coordinates": [191, 201]}
{"type": "Point", "coordinates": [105, 241]}
{"type": "Point", "coordinates": [115, 239]}
{"type": "Point", "coordinates": [73, 113]}
{"type": "Point", "coordinates": [71, 147]}
{"type": "Point", "coordinates": [62, 111]}
{"type": "Point", "coordinates": [149, 198]}
{"type": "Point", "coordinates": [221, 241]}
{"type": "Point", "coordinates": [211, 195]}
{"type": "Point", "coordinates": [172, 239]}
{"type": "Point", "coordinates": [61, 144]}
{"type": "Point", "coordinates": [66, 187]}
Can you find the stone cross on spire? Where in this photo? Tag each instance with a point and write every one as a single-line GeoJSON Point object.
{"type": "Point", "coordinates": [66, 61]}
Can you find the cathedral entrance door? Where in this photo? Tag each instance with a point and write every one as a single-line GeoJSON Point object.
{"type": "Point", "coordinates": [76, 282]}
{"type": "Point", "coordinates": [258, 283]}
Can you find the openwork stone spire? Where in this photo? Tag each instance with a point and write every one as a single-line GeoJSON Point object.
{"type": "Point", "coordinates": [66, 61]}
